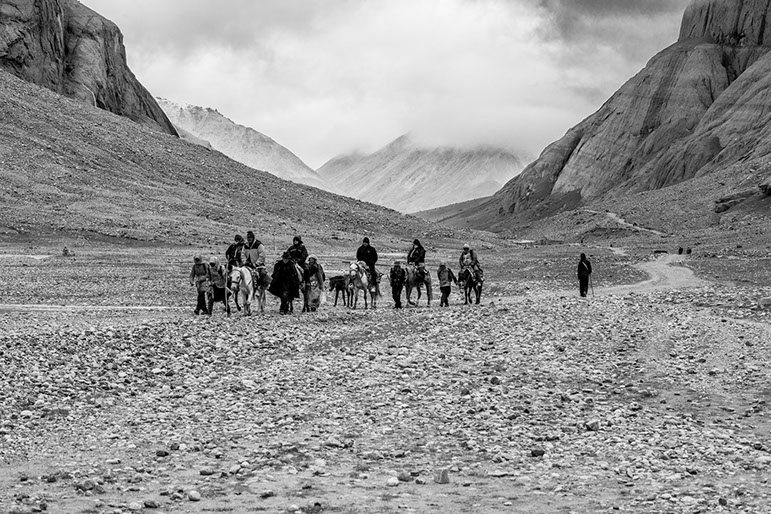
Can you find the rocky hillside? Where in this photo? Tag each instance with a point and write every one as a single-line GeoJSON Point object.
{"type": "Point", "coordinates": [68, 48]}
{"type": "Point", "coordinates": [698, 106]}
{"type": "Point", "coordinates": [242, 144]}
{"type": "Point", "coordinates": [68, 170]}
{"type": "Point", "coordinates": [409, 178]}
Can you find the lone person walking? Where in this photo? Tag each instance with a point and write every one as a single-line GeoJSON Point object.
{"type": "Point", "coordinates": [584, 272]}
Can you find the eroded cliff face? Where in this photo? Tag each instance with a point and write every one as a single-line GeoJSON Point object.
{"type": "Point", "coordinates": [66, 47]}
{"type": "Point", "coordinates": [681, 116]}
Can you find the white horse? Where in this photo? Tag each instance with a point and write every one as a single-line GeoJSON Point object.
{"type": "Point", "coordinates": [242, 286]}
{"type": "Point", "coordinates": [358, 280]}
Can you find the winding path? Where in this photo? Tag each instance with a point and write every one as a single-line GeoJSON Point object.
{"type": "Point", "coordinates": [663, 275]}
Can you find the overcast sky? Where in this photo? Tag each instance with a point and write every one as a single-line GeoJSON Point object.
{"type": "Point", "coordinates": [325, 77]}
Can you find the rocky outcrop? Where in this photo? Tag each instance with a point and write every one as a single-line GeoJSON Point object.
{"type": "Point", "coordinates": [700, 104]}
{"type": "Point", "coordinates": [203, 125]}
{"type": "Point", "coordinates": [409, 178]}
{"type": "Point", "coordinates": [66, 47]}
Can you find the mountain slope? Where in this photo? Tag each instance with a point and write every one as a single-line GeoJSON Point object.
{"type": "Point", "coordinates": [68, 48]}
{"type": "Point", "coordinates": [409, 178]}
{"type": "Point", "coordinates": [698, 106]}
{"type": "Point", "coordinates": [240, 143]}
{"type": "Point", "coordinates": [70, 170]}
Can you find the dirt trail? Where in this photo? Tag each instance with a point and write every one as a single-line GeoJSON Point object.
{"type": "Point", "coordinates": [621, 221]}
{"type": "Point", "coordinates": [664, 274]}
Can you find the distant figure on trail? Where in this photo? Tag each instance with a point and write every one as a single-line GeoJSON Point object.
{"type": "Point", "coordinates": [446, 279]}
{"type": "Point", "coordinates": [314, 283]}
{"type": "Point", "coordinates": [368, 255]}
{"type": "Point", "coordinates": [285, 283]}
{"type": "Point", "coordinates": [417, 254]}
{"type": "Point", "coordinates": [468, 259]}
{"type": "Point", "coordinates": [397, 277]}
{"type": "Point", "coordinates": [233, 253]}
{"type": "Point", "coordinates": [200, 278]}
{"type": "Point", "coordinates": [218, 278]}
{"type": "Point", "coordinates": [584, 272]}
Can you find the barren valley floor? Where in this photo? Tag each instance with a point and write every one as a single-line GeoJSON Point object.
{"type": "Point", "coordinates": [650, 398]}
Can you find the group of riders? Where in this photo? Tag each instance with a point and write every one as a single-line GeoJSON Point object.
{"type": "Point", "coordinates": [298, 270]}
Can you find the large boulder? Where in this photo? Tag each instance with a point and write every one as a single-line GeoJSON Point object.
{"type": "Point", "coordinates": [703, 102]}
{"type": "Point", "coordinates": [66, 47]}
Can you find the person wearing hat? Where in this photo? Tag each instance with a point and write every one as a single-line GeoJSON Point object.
{"type": "Point", "coordinates": [253, 253]}
{"type": "Point", "coordinates": [468, 259]}
{"type": "Point", "coordinates": [233, 253]}
{"type": "Point", "coordinates": [218, 277]}
{"type": "Point", "coordinates": [200, 278]}
{"type": "Point", "coordinates": [446, 279]}
{"type": "Point", "coordinates": [368, 255]}
{"type": "Point", "coordinates": [286, 283]}
{"type": "Point", "coordinates": [397, 277]}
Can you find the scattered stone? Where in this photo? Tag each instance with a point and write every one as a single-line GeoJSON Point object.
{"type": "Point", "coordinates": [267, 494]}
{"type": "Point", "coordinates": [194, 496]}
{"type": "Point", "coordinates": [537, 452]}
{"type": "Point", "coordinates": [151, 504]}
{"type": "Point", "coordinates": [392, 482]}
{"type": "Point", "coordinates": [442, 476]}
{"type": "Point", "coordinates": [593, 425]}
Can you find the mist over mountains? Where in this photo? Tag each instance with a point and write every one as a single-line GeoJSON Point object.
{"type": "Point", "coordinates": [410, 177]}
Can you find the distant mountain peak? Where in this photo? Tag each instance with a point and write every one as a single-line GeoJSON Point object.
{"type": "Point", "coordinates": [410, 177]}
{"type": "Point", "coordinates": [240, 143]}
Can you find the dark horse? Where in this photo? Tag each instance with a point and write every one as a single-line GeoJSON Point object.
{"type": "Point", "coordinates": [417, 276]}
{"type": "Point", "coordinates": [471, 282]}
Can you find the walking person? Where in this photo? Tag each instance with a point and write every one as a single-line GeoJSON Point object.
{"type": "Point", "coordinates": [314, 283]}
{"type": "Point", "coordinates": [285, 283]}
{"type": "Point", "coordinates": [446, 279]}
{"type": "Point", "coordinates": [200, 278]}
{"type": "Point", "coordinates": [584, 273]}
{"type": "Point", "coordinates": [397, 277]}
{"type": "Point", "coordinates": [218, 278]}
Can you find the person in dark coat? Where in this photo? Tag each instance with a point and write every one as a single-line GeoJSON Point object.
{"type": "Point", "coordinates": [397, 277]}
{"type": "Point", "coordinates": [299, 254]}
{"type": "Point", "coordinates": [584, 272]}
{"type": "Point", "coordinates": [446, 279]}
{"type": "Point", "coordinates": [233, 253]}
{"type": "Point", "coordinates": [285, 283]}
{"type": "Point", "coordinates": [417, 254]}
{"type": "Point", "coordinates": [368, 255]}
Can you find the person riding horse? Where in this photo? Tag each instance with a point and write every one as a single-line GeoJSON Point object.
{"type": "Point", "coordinates": [233, 253]}
{"type": "Point", "coordinates": [368, 255]}
{"type": "Point", "coordinates": [299, 254]}
{"type": "Point", "coordinates": [417, 257]}
{"type": "Point", "coordinates": [468, 260]}
{"type": "Point", "coordinates": [253, 256]}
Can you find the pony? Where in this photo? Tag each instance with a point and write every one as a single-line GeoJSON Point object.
{"type": "Point", "coordinates": [339, 284]}
{"type": "Point", "coordinates": [471, 282]}
{"type": "Point", "coordinates": [244, 285]}
{"type": "Point", "coordinates": [415, 277]}
{"type": "Point", "coordinates": [359, 280]}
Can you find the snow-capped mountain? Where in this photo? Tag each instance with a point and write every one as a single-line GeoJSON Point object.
{"type": "Point", "coordinates": [409, 178]}
{"type": "Point", "coordinates": [242, 144]}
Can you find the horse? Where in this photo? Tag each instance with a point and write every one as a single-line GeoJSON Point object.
{"type": "Point", "coordinates": [414, 279]}
{"type": "Point", "coordinates": [471, 282]}
{"type": "Point", "coordinates": [359, 280]}
{"type": "Point", "coordinates": [242, 285]}
{"type": "Point", "coordinates": [339, 284]}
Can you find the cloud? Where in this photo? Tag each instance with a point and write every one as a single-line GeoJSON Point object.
{"type": "Point", "coordinates": [324, 77]}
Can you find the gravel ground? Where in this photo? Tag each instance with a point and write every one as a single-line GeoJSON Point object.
{"type": "Point", "coordinates": [651, 399]}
